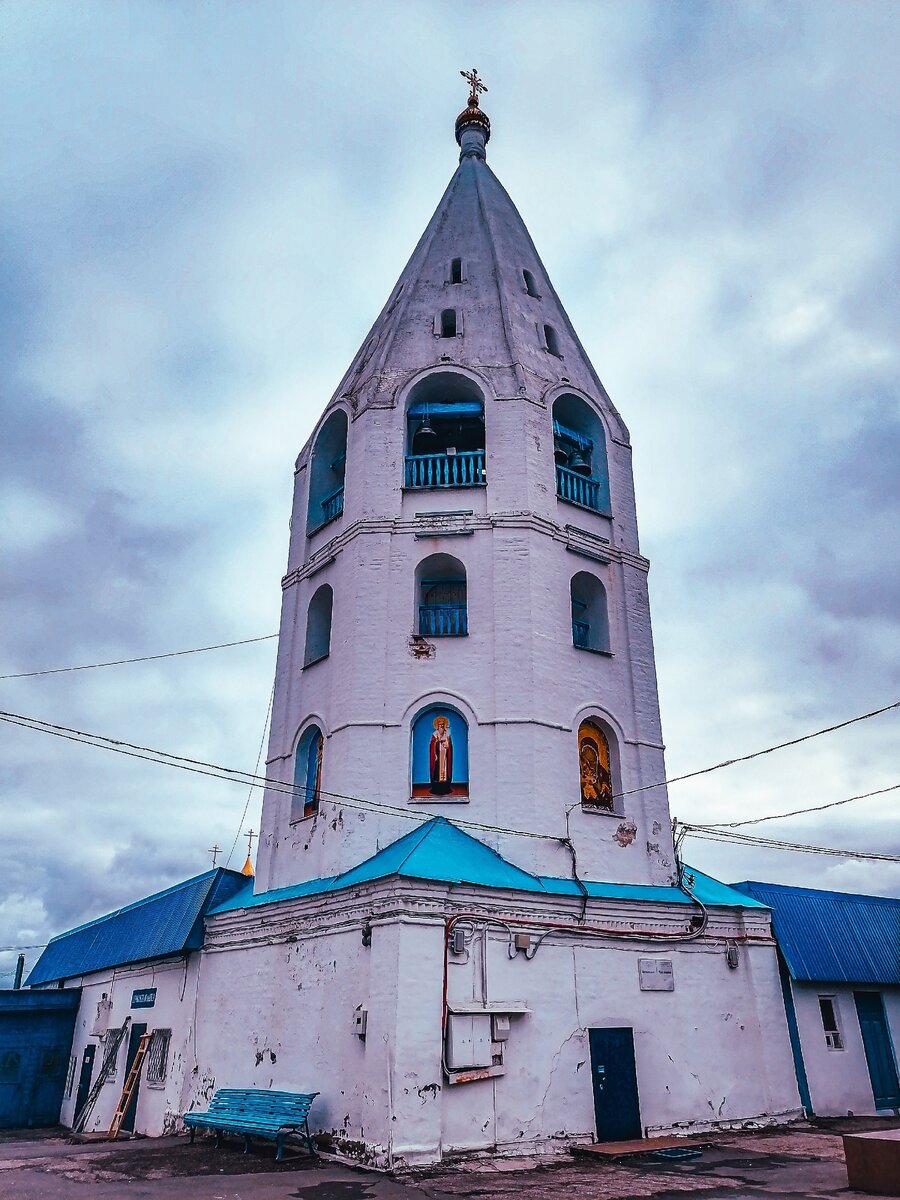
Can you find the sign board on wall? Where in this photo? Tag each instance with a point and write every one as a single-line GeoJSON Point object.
{"type": "Point", "coordinates": [143, 998]}
{"type": "Point", "coordinates": [656, 975]}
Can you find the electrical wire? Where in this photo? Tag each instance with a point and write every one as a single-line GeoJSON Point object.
{"type": "Point", "coordinates": [121, 662]}
{"type": "Point", "coordinates": [730, 762]}
{"type": "Point", "coordinates": [253, 786]}
{"type": "Point", "coordinates": [711, 834]}
{"type": "Point", "coordinates": [233, 775]}
{"type": "Point", "coordinates": [799, 812]}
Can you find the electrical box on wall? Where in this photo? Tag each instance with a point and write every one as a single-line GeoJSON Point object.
{"type": "Point", "coordinates": [500, 1027]}
{"type": "Point", "coordinates": [468, 1041]}
{"type": "Point", "coordinates": [656, 975]}
{"type": "Point", "coordinates": [360, 1020]}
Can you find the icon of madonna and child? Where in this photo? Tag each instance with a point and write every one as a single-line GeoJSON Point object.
{"type": "Point", "coordinates": [440, 755]}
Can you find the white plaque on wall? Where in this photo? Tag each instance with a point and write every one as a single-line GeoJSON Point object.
{"type": "Point", "coordinates": [656, 975]}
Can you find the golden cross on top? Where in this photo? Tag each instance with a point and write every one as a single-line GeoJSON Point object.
{"type": "Point", "coordinates": [476, 86]}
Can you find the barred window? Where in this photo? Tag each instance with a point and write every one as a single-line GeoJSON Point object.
{"type": "Point", "coordinates": [70, 1075]}
{"type": "Point", "coordinates": [112, 1040]}
{"type": "Point", "coordinates": [158, 1056]}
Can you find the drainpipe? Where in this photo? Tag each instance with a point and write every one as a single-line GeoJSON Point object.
{"type": "Point", "coordinates": [20, 971]}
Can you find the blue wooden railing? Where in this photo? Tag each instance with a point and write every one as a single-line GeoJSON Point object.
{"type": "Point", "coordinates": [581, 634]}
{"type": "Point", "coordinates": [443, 620]}
{"type": "Point", "coordinates": [332, 507]}
{"type": "Point", "coordinates": [578, 489]}
{"type": "Point", "coordinates": [465, 469]}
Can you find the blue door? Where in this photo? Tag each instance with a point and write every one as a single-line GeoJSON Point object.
{"type": "Point", "coordinates": [137, 1032]}
{"type": "Point", "coordinates": [617, 1112]}
{"type": "Point", "coordinates": [879, 1051]}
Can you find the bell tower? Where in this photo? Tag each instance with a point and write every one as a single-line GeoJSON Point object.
{"type": "Point", "coordinates": [465, 626]}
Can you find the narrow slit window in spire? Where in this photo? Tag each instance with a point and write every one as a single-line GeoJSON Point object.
{"type": "Point", "coordinates": [530, 285]}
{"type": "Point", "coordinates": [448, 323]}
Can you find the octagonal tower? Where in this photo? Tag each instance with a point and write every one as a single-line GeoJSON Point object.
{"type": "Point", "coordinates": [465, 625]}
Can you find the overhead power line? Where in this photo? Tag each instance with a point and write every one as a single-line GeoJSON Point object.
{"type": "Point", "coordinates": [711, 834]}
{"type": "Point", "coordinates": [232, 775]}
{"type": "Point", "coordinates": [799, 812]}
{"type": "Point", "coordinates": [730, 762]}
{"type": "Point", "coordinates": [121, 662]}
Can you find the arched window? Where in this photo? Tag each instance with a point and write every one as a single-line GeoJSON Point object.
{"type": "Point", "coordinates": [448, 323]}
{"type": "Point", "coordinates": [441, 597]}
{"type": "Point", "coordinates": [594, 767]}
{"type": "Point", "coordinates": [456, 270]}
{"type": "Point", "coordinates": [326, 473]}
{"type": "Point", "coordinates": [308, 773]}
{"type": "Point", "coordinates": [579, 450]}
{"type": "Point", "coordinates": [551, 341]}
{"type": "Point", "coordinates": [445, 433]}
{"type": "Point", "coordinates": [530, 285]}
{"type": "Point", "coordinates": [318, 626]}
{"type": "Point", "coordinates": [440, 754]}
{"type": "Point", "coordinates": [590, 618]}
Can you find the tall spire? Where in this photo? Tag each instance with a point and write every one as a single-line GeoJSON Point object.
{"type": "Point", "coordinates": [473, 129]}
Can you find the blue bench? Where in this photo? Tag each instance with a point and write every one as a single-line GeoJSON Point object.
{"type": "Point", "coordinates": [252, 1112]}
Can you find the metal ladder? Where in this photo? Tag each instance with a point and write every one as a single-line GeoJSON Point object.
{"type": "Point", "coordinates": [131, 1083]}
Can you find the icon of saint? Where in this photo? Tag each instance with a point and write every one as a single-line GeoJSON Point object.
{"type": "Point", "coordinates": [440, 757]}
{"type": "Point", "coordinates": [596, 784]}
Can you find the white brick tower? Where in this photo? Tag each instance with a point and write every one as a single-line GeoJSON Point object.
{"type": "Point", "coordinates": [465, 627]}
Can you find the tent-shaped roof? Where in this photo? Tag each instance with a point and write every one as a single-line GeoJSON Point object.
{"type": "Point", "coordinates": [440, 852]}
{"type": "Point", "coordinates": [833, 937]}
{"type": "Point", "coordinates": [169, 922]}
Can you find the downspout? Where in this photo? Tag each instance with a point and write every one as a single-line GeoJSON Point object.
{"type": "Point", "coordinates": [794, 1034]}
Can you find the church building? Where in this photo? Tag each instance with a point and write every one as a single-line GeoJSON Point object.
{"type": "Point", "coordinates": [468, 928]}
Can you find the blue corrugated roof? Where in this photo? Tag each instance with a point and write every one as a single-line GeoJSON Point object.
{"type": "Point", "coordinates": [168, 922]}
{"type": "Point", "coordinates": [833, 937]}
{"type": "Point", "coordinates": [440, 852]}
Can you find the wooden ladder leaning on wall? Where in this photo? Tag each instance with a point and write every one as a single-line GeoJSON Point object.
{"type": "Point", "coordinates": [131, 1083]}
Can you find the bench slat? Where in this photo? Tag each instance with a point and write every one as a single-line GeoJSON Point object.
{"type": "Point", "coordinates": [256, 1113]}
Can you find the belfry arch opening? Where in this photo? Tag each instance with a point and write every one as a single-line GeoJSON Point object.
{"type": "Point", "coordinates": [445, 444]}
{"type": "Point", "coordinates": [579, 452]}
{"type": "Point", "coordinates": [590, 615]}
{"type": "Point", "coordinates": [327, 467]}
{"type": "Point", "coordinates": [308, 773]}
{"type": "Point", "coordinates": [441, 597]}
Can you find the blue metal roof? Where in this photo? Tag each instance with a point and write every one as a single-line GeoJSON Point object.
{"type": "Point", "coordinates": [833, 937]}
{"type": "Point", "coordinates": [168, 922]}
{"type": "Point", "coordinates": [440, 852]}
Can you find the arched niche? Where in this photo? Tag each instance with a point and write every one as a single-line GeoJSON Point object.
{"type": "Point", "coordinates": [326, 473]}
{"type": "Point", "coordinates": [445, 444]}
{"type": "Point", "coordinates": [439, 745]}
{"type": "Point", "coordinates": [596, 765]}
{"type": "Point", "coordinates": [318, 626]}
{"type": "Point", "coordinates": [441, 597]}
{"type": "Point", "coordinates": [308, 773]}
{"type": "Point", "coordinates": [590, 614]}
{"type": "Point", "coordinates": [579, 451]}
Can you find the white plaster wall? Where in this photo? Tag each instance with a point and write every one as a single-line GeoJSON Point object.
{"type": "Point", "coordinates": [700, 1059]}
{"type": "Point", "coordinates": [277, 1012]}
{"type": "Point", "coordinates": [839, 1080]}
{"type": "Point", "coordinates": [176, 982]}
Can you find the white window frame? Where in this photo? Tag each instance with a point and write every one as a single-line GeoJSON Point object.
{"type": "Point", "coordinates": [834, 1038]}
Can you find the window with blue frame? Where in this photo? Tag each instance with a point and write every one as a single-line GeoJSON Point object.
{"type": "Point", "coordinates": [590, 615]}
{"type": "Point", "coordinates": [440, 754]}
{"type": "Point", "coordinates": [579, 452]}
{"type": "Point", "coordinates": [441, 600]}
{"type": "Point", "coordinates": [327, 468]}
{"type": "Point", "coordinates": [445, 443]}
{"type": "Point", "coordinates": [318, 626]}
{"type": "Point", "coordinates": [308, 773]}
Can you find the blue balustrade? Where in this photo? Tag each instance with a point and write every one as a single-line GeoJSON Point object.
{"type": "Point", "coordinates": [443, 620]}
{"type": "Point", "coordinates": [465, 469]}
{"type": "Point", "coordinates": [580, 490]}
{"type": "Point", "coordinates": [332, 507]}
{"type": "Point", "coordinates": [581, 634]}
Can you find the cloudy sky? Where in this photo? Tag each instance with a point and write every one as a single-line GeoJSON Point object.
{"type": "Point", "coordinates": [203, 208]}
